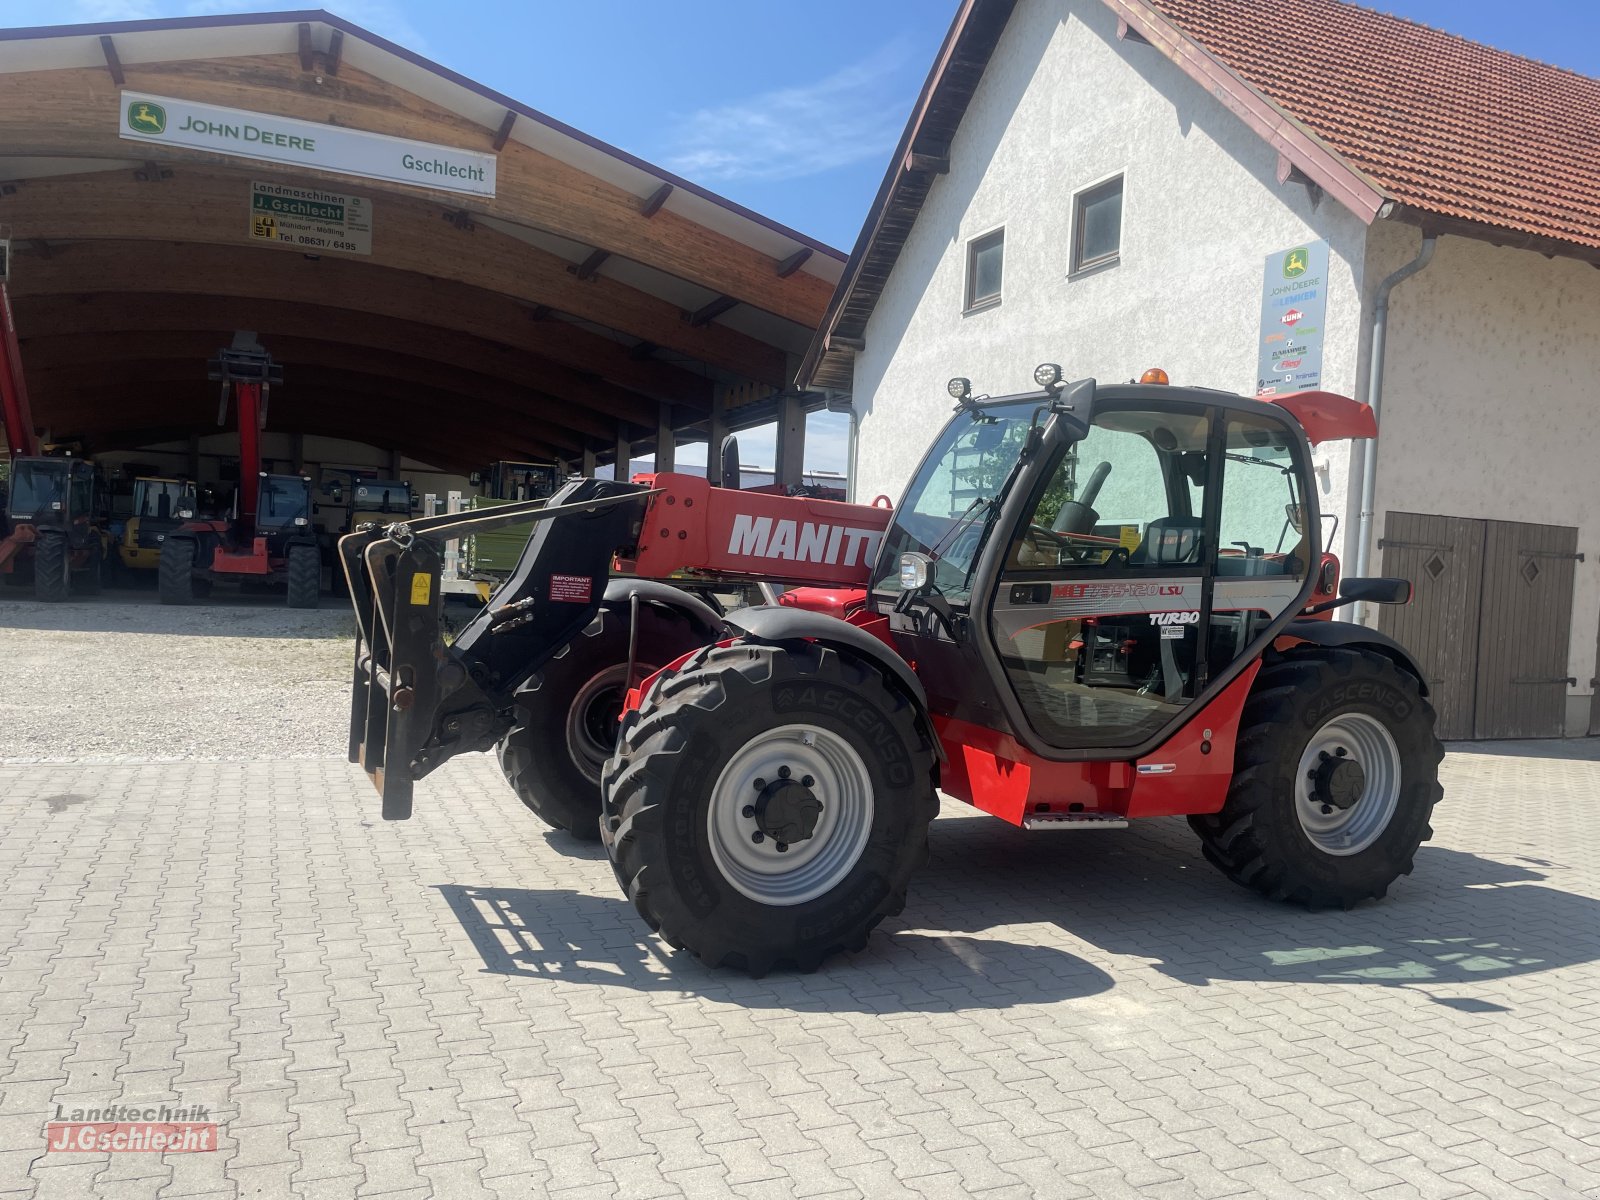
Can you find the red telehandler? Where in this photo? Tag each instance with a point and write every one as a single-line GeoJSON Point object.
{"type": "Point", "coordinates": [268, 538]}
{"type": "Point", "coordinates": [1093, 604]}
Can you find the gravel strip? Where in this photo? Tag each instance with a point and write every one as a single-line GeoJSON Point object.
{"type": "Point", "coordinates": [122, 677]}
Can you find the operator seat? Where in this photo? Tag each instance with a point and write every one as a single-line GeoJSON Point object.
{"type": "Point", "coordinates": [1169, 541]}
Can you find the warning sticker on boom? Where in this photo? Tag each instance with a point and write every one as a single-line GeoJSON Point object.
{"type": "Point", "coordinates": [310, 218]}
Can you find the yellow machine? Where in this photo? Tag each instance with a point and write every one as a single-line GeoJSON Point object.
{"type": "Point", "coordinates": [159, 506]}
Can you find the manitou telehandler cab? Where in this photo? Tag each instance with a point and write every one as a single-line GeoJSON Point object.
{"type": "Point", "coordinates": [268, 537]}
{"type": "Point", "coordinates": [57, 514]}
{"type": "Point", "coordinates": [1093, 604]}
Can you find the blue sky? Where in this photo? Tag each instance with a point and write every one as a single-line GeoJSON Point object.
{"type": "Point", "coordinates": [791, 108]}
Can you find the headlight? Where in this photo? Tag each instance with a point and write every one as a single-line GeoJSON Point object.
{"type": "Point", "coordinates": [959, 388]}
{"type": "Point", "coordinates": [186, 514]}
{"type": "Point", "coordinates": [1047, 375]}
{"type": "Point", "coordinates": [913, 572]}
{"type": "Point", "coordinates": [301, 521]}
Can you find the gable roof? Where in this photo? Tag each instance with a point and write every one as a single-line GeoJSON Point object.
{"type": "Point", "coordinates": [1441, 124]}
{"type": "Point", "coordinates": [1391, 118]}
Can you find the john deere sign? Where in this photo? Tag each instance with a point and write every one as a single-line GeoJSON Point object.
{"type": "Point", "coordinates": [171, 122]}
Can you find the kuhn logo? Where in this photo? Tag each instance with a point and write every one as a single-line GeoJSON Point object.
{"type": "Point", "coordinates": [803, 541]}
{"type": "Point", "coordinates": [1175, 618]}
{"type": "Point", "coordinates": [1292, 317]}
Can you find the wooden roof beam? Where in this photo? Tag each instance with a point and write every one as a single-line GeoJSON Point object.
{"type": "Point", "coordinates": [331, 60]}
{"type": "Point", "coordinates": [794, 262]}
{"type": "Point", "coordinates": [308, 59]}
{"type": "Point", "coordinates": [590, 266]}
{"type": "Point", "coordinates": [503, 134]}
{"type": "Point", "coordinates": [711, 310]}
{"type": "Point", "coordinates": [113, 63]}
{"type": "Point", "coordinates": [457, 326]}
{"type": "Point", "coordinates": [652, 203]}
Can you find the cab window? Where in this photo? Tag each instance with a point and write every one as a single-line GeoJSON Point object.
{"type": "Point", "coordinates": [1126, 496]}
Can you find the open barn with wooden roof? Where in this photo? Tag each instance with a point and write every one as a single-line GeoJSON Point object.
{"type": "Point", "coordinates": [573, 304]}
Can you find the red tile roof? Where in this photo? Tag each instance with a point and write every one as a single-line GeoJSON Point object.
{"type": "Point", "coordinates": [1441, 124]}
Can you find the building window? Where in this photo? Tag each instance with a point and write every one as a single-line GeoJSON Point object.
{"type": "Point", "coordinates": [985, 263]}
{"type": "Point", "coordinates": [1097, 225]}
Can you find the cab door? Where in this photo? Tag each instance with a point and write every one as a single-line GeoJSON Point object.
{"type": "Point", "coordinates": [1100, 611]}
{"type": "Point", "coordinates": [1153, 555]}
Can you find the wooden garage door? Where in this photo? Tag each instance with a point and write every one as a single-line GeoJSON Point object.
{"type": "Point", "coordinates": [1490, 621]}
{"type": "Point", "coordinates": [1443, 558]}
{"type": "Point", "coordinates": [1525, 630]}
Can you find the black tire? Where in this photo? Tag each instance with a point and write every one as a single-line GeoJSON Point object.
{"type": "Point", "coordinates": [50, 566]}
{"type": "Point", "coordinates": [89, 580]}
{"type": "Point", "coordinates": [303, 571]}
{"type": "Point", "coordinates": [566, 719]}
{"type": "Point", "coordinates": [175, 571]}
{"type": "Point", "coordinates": [1261, 841]}
{"type": "Point", "coordinates": [719, 707]}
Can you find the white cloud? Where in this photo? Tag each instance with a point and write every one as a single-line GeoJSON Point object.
{"type": "Point", "coordinates": [854, 114]}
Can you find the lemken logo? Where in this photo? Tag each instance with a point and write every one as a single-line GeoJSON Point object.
{"type": "Point", "coordinates": [802, 541]}
{"type": "Point", "coordinates": [145, 117]}
{"type": "Point", "coordinates": [1294, 263]}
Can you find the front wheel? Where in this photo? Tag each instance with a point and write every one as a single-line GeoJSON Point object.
{"type": "Point", "coordinates": [52, 567]}
{"type": "Point", "coordinates": [1336, 773]}
{"type": "Point", "coordinates": [304, 576]}
{"type": "Point", "coordinates": [767, 805]}
{"type": "Point", "coordinates": [175, 572]}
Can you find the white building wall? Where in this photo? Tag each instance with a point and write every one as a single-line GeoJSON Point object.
{"type": "Point", "coordinates": [1489, 399]}
{"type": "Point", "coordinates": [1063, 105]}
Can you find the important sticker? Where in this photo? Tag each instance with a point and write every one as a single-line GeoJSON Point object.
{"type": "Point", "coordinates": [421, 588]}
{"type": "Point", "coordinates": [571, 589]}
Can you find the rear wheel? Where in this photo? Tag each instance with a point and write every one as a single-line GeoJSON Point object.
{"type": "Point", "coordinates": [304, 573]}
{"type": "Point", "coordinates": [51, 568]}
{"type": "Point", "coordinates": [566, 720]}
{"type": "Point", "coordinates": [1335, 775]}
{"type": "Point", "coordinates": [175, 572]}
{"type": "Point", "coordinates": [768, 805]}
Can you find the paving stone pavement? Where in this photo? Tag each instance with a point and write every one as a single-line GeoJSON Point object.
{"type": "Point", "coordinates": [463, 1006]}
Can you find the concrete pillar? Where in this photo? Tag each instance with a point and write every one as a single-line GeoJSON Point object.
{"type": "Point", "coordinates": [716, 430]}
{"type": "Point", "coordinates": [791, 455]}
{"type": "Point", "coordinates": [194, 457]}
{"type": "Point", "coordinates": [394, 464]}
{"type": "Point", "coordinates": [666, 440]}
{"type": "Point", "coordinates": [624, 453]}
{"type": "Point", "coordinates": [297, 452]}
{"type": "Point", "coordinates": [588, 462]}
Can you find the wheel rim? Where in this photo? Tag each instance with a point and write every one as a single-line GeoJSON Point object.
{"type": "Point", "coordinates": [807, 868]}
{"type": "Point", "coordinates": [592, 720]}
{"type": "Point", "coordinates": [1333, 822]}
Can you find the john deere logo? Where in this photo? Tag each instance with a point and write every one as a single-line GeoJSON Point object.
{"type": "Point", "coordinates": [1294, 263]}
{"type": "Point", "coordinates": [144, 117]}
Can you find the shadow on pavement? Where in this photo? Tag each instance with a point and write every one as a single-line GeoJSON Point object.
{"type": "Point", "coordinates": [1458, 918]}
{"type": "Point", "coordinates": [575, 938]}
{"type": "Point", "coordinates": [1144, 893]}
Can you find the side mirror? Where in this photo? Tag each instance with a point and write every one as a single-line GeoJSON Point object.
{"type": "Point", "coordinates": [732, 474]}
{"type": "Point", "coordinates": [1377, 589]}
